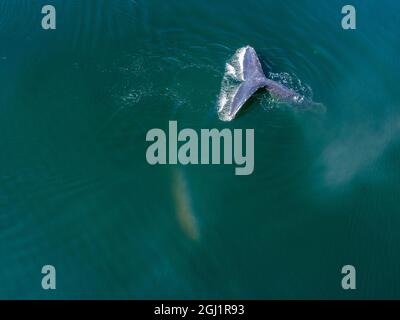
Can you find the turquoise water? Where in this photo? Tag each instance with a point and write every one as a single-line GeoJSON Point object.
{"type": "Point", "coordinates": [76, 191]}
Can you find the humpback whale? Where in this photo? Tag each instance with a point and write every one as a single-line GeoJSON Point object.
{"type": "Point", "coordinates": [252, 78]}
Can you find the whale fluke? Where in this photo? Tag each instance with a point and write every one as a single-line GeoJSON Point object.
{"type": "Point", "coordinates": [249, 72]}
{"type": "Point", "coordinates": [250, 64]}
{"type": "Point", "coordinates": [244, 92]}
{"type": "Point", "coordinates": [253, 77]}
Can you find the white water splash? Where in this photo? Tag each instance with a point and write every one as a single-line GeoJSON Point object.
{"type": "Point", "coordinates": [231, 81]}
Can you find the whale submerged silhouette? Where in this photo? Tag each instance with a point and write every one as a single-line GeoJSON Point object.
{"type": "Point", "coordinates": [252, 78]}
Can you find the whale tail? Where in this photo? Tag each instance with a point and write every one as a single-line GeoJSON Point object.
{"type": "Point", "coordinates": [244, 92]}
{"type": "Point", "coordinates": [252, 77]}
{"type": "Point", "coordinates": [248, 71]}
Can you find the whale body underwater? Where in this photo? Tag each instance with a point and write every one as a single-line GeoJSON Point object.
{"type": "Point", "coordinates": [252, 78]}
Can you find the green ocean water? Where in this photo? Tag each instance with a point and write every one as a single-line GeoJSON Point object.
{"type": "Point", "coordinates": [76, 191]}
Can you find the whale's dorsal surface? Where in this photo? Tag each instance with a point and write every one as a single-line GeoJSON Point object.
{"type": "Point", "coordinates": [253, 79]}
